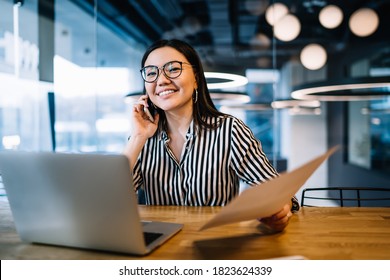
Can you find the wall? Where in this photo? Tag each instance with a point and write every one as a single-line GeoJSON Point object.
{"type": "Point", "coordinates": [342, 174]}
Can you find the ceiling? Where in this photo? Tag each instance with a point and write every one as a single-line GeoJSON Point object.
{"type": "Point", "coordinates": [224, 31]}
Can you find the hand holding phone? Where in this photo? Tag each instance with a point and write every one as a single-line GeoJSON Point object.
{"type": "Point", "coordinates": [147, 112]}
{"type": "Point", "coordinates": [148, 109]}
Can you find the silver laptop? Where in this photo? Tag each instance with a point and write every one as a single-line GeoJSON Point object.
{"type": "Point", "coordinates": [78, 200]}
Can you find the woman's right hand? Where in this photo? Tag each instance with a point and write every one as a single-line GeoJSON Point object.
{"type": "Point", "coordinates": [142, 125]}
{"type": "Point", "coordinates": [142, 129]}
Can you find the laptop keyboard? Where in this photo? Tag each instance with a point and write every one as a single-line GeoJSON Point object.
{"type": "Point", "coordinates": [151, 236]}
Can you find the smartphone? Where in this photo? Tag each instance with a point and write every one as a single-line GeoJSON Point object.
{"type": "Point", "coordinates": [149, 111]}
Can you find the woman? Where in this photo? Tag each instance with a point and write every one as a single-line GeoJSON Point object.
{"type": "Point", "coordinates": [189, 153]}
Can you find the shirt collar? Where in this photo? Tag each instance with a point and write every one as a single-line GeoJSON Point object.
{"type": "Point", "coordinates": [192, 131]}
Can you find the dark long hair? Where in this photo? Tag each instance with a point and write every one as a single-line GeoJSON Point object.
{"type": "Point", "coordinates": [204, 106]}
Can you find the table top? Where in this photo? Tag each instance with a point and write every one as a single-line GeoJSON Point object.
{"type": "Point", "coordinates": [313, 233]}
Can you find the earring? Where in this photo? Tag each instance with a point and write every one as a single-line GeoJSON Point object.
{"type": "Point", "coordinates": [196, 96]}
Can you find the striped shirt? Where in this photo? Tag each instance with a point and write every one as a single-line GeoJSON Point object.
{"type": "Point", "coordinates": [211, 164]}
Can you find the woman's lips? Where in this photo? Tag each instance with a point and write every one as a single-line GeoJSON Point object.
{"type": "Point", "coordinates": [165, 92]}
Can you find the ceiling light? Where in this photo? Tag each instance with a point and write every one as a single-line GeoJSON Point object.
{"type": "Point", "coordinates": [298, 107]}
{"type": "Point", "coordinates": [229, 98]}
{"type": "Point", "coordinates": [233, 80]}
{"type": "Point", "coordinates": [313, 56]}
{"type": "Point", "coordinates": [260, 41]}
{"type": "Point", "coordinates": [275, 12]}
{"type": "Point", "coordinates": [367, 111]}
{"type": "Point", "coordinates": [256, 7]}
{"type": "Point", "coordinates": [345, 90]}
{"type": "Point", "coordinates": [264, 62]}
{"type": "Point", "coordinates": [376, 121]}
{"type": "Point", "coordinates": [291, 103]}
{"type": "Point", "coordinates": [287, 28]}
{"type": "Point", "coordinates": [295, 111]}
{"type": "Point", "coordinates": [331, 16]}
{"type": "Point", "coordinates": [247, 107]}
{"type": "Point", "coordinates": [364, 22]}
{"type": "Point", "coordinates": [191, 25]}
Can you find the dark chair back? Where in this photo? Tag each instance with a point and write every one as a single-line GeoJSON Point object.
{"type": "Point", "coordinates": [346, 197]}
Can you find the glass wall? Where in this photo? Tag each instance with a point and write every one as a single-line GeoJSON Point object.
{"type": "Point", "coordinates": [92, 71]}
{"type": "Point", "coordinates": [23, 99]}
{"type": "Point", "coordinates": [368, 129]}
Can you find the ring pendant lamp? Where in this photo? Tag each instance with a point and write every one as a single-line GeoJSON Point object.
{"type": "Point", "coordinates": [368, 88]}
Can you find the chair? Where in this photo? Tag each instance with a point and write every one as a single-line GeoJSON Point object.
{"type": "Point", "coordinates": [141, 196]}
{"type": "Point", "coordinates": [346, 197]}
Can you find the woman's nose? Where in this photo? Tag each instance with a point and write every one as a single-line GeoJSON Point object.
{"type": "Point", "coordinates": [162, 79]}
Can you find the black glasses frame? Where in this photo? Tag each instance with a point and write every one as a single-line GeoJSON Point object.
{"type": "Point", "coordinates": [164, 70]}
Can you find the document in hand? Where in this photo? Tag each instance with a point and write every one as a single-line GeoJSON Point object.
{"type": "Point", "coordinates": [268, 198]}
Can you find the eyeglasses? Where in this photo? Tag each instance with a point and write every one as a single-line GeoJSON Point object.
{"type": "Point", "coordinates": [171, 70]}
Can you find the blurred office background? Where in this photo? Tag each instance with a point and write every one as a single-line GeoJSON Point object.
{"type": "Point", "coordinates": [69, 71]}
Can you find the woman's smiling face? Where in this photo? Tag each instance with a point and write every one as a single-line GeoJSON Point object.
{"type": "Point", "coordinates": [170, 94]}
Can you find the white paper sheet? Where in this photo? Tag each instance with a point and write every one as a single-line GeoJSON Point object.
{"type": "Point", "coordinates": [268, 198]}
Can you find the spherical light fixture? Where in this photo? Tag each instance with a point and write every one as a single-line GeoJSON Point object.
{"type": "Point", "coordinates": [313, 56]}
{"type": "Point", "coordinates": [275, 12]}
{"type": "Point", "coordinates": [287, 28]}
{"type": "Point", "coordinates": [364, 22]}
{"type": "Point", "coordinates": [331, 16]}
{"type": "Point", "coordinates": [260, 40]}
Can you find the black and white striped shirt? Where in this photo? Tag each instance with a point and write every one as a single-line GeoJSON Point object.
{"type": "Point", "coordinates": [211, 165]}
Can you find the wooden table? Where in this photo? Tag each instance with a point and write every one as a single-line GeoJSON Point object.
{"type": "Point", "coordinates": [314, 233]}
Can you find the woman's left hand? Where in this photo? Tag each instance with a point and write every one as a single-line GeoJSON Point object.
{"type": "Point", "coordinates": [279, 220]}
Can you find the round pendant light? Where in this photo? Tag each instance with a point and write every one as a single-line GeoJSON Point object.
{"type": "Point", "coordinates": [287, 28]}
{"type": "Point", "coordinates": [275, 12]}
{"type": "Point", "coordinates": [313, 56]}
{"type": "Point", "coordinates": [331, 16]}
{"type": "Point", "coordinates": [364, 22]}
